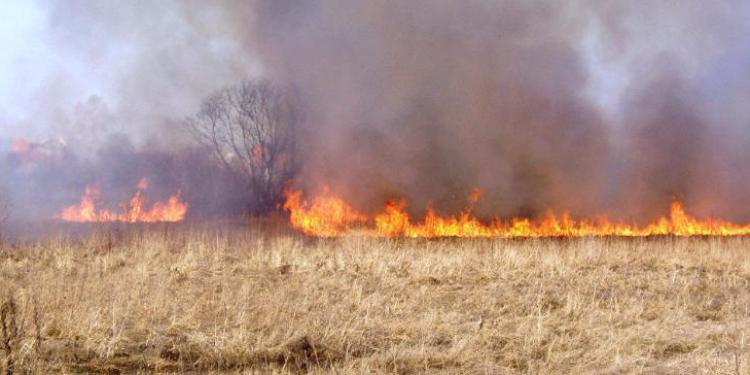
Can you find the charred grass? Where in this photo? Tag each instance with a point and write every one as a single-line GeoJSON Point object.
{"type": "Point", "coordinates": [203, 301]}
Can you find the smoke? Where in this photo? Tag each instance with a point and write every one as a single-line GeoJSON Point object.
{"type": "Point", "coordinates": [99, 92]}
{"type": "Point", "coordinates": [596, 107]}
{"type": "Point", "coordinates": [592, 107]}
{"type": "Point", "coordinates": [147, 63]}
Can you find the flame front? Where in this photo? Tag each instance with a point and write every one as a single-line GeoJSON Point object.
{"type": "Point", "coordinates": [328, 215]}
{"type": "Point", "coordinates": [134, 211]}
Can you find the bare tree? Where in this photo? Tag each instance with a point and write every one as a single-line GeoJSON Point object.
{"type": "Point", "coordinates": [251, 129]}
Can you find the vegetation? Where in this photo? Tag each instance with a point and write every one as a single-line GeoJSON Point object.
{"type": "Point", "coordinates": [4, 212]}
{"type": "Point", "coordinates": [176, 300]}
{"type": "Point", "coordinates": [251, 129]}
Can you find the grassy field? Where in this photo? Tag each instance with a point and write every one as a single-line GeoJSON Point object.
{"type": "Point", "coordinates": [198, 301]}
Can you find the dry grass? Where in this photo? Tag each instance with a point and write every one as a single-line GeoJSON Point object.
{"type": "Point", "coordinates": [238, 303]}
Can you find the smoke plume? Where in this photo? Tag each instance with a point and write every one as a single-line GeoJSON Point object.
{"type": "Point", "coordinates": [596, 107]}
{"type": "Point", "coordinates": [429, 99]}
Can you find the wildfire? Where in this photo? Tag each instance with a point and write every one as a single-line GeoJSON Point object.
{"type": "Point", "coordinates": [328, 215]}
{"type": "Point", "coordinates": [133, 211]}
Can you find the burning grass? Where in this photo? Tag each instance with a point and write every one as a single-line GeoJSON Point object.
{"type": "Point", "coordinates": [174, 300]}
{"type": "Point", "coordinates": [134, 211]}
{"type": "Point", "coordinates": [328, 215]}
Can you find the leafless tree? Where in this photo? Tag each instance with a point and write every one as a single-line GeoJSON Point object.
{"type": "Point", "coordinates": [251, 129]}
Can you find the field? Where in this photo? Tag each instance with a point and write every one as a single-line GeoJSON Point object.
{"type": "Point", "coordinates": [174, 300]}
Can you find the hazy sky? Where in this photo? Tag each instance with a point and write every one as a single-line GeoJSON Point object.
{"type": "Point", "coordinates": [137, 63]}
{"type": "Point", "coordinates": [23, 57]}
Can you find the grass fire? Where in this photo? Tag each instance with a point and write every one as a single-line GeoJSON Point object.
{"type": "Point", "coordinates": [374, 187]}
{"type": "Point", "coordinates": [134, 211]}
{"type": "Point", "coordinates": [328, 216]}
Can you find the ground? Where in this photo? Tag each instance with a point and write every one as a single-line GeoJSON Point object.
{"type": "Point", "coordinates": [174, 300]}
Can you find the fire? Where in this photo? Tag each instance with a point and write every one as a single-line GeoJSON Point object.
{"type": "Point", "coordinates": [134, 211]}
{"type": "Point", "coordinates": [20, 145]}
{"type": "Point", "coordinates": [328, 215]}
{"type": "Point", "coordinates": [28, 153]}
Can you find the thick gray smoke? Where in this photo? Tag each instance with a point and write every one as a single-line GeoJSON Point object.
{"type": "Point", "coordinates": [429, 99]}
{"type": "Point", "coordinates": [595, 107]}
{"type": "Point", "coordinates": [432, 99]}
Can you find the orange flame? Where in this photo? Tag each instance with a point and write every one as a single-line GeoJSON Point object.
{"type": "Point", "coordinates": [328, 215]}
{"type": "Point", "coordinates": [134, 211]}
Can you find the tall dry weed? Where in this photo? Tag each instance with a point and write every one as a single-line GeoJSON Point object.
{"type": "Point", "coordinates": [9, 335]}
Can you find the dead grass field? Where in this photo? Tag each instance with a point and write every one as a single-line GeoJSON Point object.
{"type": "Point", "coordinates": [196, 301]}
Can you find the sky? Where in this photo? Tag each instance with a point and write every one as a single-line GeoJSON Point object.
{"type": "Point", "coordinates": [60, 59]}
{"type": "Point", "coordinates": [22, 57]}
